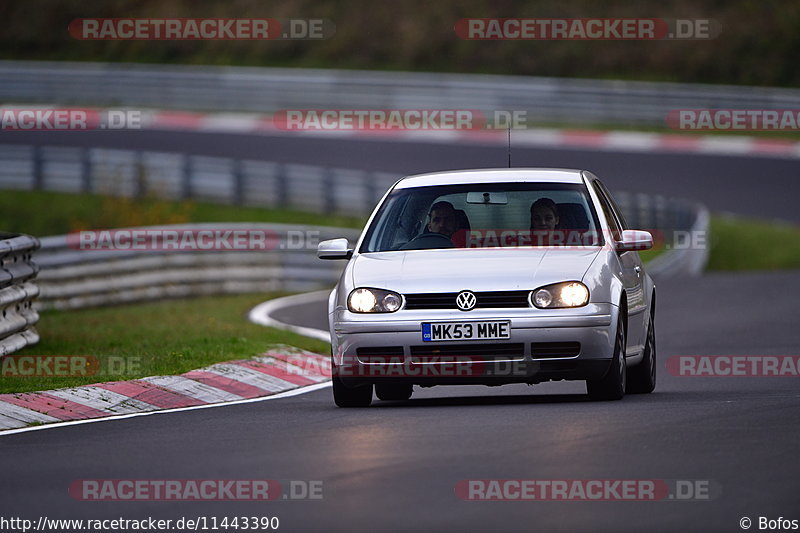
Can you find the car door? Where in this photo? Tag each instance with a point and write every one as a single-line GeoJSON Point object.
{"type": "Point", "coordinates": [632, 273]}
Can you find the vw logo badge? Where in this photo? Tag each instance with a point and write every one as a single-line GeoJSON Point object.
{"type": "Point", "coordinates": [466, 300]}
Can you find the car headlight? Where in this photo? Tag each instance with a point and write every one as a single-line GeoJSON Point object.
{"type": "Point", "coordinates": [560, 295]}
{"type": "Point", "coordinates": [373, 301]}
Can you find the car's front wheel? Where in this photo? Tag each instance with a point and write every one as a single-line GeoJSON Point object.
{"type": "Point", "coordinates": [642, 378]}
{"type": "Point", "coordinates": [394, 391]}
{"type": "Point", "coordinates": [344, 396]}
{"type": "Point", "coordinates": [612, 385]}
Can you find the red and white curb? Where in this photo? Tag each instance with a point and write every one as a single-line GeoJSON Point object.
{"type": "Point", "coordinates": [282, 369]}
{"type": "Point", "coordinates": [616, 141]}
{"type": "Point", "coordinates": [533, 137]}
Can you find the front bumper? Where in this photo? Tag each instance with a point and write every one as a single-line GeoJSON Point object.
{"type": "Point", "coordinates": [377, 348]}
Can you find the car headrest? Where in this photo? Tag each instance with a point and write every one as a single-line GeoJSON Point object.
{"type": "Point", "coordinates": [572, 216]}
{"type": "Point", "coordinates": [462, 220]}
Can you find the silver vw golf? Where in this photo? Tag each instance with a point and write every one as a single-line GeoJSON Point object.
{"type": "Point", "coordinates": [490, 277]}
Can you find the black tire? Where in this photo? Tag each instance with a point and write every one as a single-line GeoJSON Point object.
{"type": "Point", "coordinates": [394, 391]}
{"type": "Point", "coordinates": [642, 377]}
{"type": "Point", "coordinates": [612, 385]}
{"type": "Point", "coordinates": [360, 396]}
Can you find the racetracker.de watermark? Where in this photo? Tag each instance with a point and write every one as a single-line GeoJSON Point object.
{"type": "Point", "coordinates": [586, 29]}
{"type": "Point", "coordinates": [734, 366]}
{"type": "Point", "coordinates": [194, 490]}
{"type": "Point", "coordinates": [432, 366]}
{"type": "Point", "coordinates": [36, 366]}
{"type": "Point", "coordinates": [734, 119]}
{"type": "Point", "coordinates": [193, 239]}
{"type": "Point", "coordinates": [556, 490]}
{"type": "Point", "coordinates": [68, 119]}
{"type": "Point", "coordinates": [193, 29]}
{"type": "Point", "coordinates": [379, 119]}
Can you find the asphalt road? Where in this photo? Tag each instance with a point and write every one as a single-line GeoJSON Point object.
{"type": "Point", "coordinates": [394, 467]}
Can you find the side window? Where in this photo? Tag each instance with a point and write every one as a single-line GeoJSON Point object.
{"type": "Point", "coordinates": [620, 217]}
{"type": "Point", "coordinates": [613, 224]}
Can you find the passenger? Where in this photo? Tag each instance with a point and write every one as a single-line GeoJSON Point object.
{"type": "Point", "coordinates": [544, 215]}
{"type": "Point", "coordinates": [442, 219]}
{"type": "Point", "coordinates": [544, 221]}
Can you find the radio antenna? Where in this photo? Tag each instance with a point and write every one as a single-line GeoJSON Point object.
{"type": "Point", "coordinates": [509, 146]}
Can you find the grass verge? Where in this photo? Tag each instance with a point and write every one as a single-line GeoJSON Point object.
{"type": "Point", "coordinates": [59, 213]}
{"type": "Point", "coordinates": [739, 244]}
{"type": "Point", "coordinates": [163, 338]}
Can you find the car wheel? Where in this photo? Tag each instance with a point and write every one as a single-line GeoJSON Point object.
{"type": "Point", "coordinates": [394, 391]}
{"type": "Point", "coordinates": [343, 396]}
{"type": "Point", "coordinates": [612, 385]}
{"type": "Point", "coordinates": [642, 378]}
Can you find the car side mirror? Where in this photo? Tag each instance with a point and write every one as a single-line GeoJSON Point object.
{"type": "Point", "coordinates": [634, 239]}
{"type": "Point", "coordinates": [334, 249]}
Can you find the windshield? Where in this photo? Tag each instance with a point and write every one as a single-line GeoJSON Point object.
{"type": "Point", "coordinates": [484, 216]}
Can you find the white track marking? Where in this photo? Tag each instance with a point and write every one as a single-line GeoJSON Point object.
{"type": "Point", "coordinates": [287, 394]}
{"type": "Point", "coordinates": [261, 314]}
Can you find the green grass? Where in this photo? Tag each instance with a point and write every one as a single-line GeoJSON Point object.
{"type": "Point", "coordinates": [58, 213]}
{"type": "Point", "coordinates": [652, 253]}
{"type": "Point", "coordinates": [164, 338]}
{"type": "Point", "coordinates": [747, 244]}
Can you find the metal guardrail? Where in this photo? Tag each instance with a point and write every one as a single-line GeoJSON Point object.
{"type": "Point", "coordinates": [266, 90]}
{"type": "Point", "coordinates": [182, 176]}
{"type": "Point", "coordinates": [72, 278]}
{"type": "Point", "coordinates": [17, 291]}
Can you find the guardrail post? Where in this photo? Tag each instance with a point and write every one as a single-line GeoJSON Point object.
{"type": "Point", "coordinates": [282, 177]}
{"type": "Point", "coordinates": [238, 182]}
{"type": "Point", "coordinates": [38, 170]}
{"type": "Point", "coordinates": [328, 184]}
{"type": "Point", "coordinates": [86, 170]}
{"type": "Point", "coordinates": [139, 175]}
{"type": "Point", "coordinates": [370, 191]}
{"type": "Point", "coordinates": [186, 177]}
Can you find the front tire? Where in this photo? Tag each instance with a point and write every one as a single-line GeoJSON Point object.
{"type": "Point", "coordinates": [612, 385]}
{"type": "Point", "coordinates": [642, 379]}
{"type": "Point", "coordinates": [343, 396]}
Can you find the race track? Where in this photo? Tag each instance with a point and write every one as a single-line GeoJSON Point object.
{"type": "Point", "coordinates": [394, 467]}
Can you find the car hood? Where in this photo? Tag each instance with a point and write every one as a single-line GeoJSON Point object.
{"type": "Point", "coordinates": [453, 270]}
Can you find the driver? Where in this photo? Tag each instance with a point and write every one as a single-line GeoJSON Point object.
{"type": "Point", "coordinates": [442, 219]}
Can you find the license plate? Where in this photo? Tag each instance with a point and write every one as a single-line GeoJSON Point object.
{"type": "Point", "coordinates": [466, 331]}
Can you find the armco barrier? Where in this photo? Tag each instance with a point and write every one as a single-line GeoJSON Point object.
{"type": "Point", "coordinates": [72, 278]}
{"type": "Point", "coordinates": [17, 291]}
{"type": "Point", "coordinates": [267, 90]}
{"type": "Point", "coordinates": [184, 176]}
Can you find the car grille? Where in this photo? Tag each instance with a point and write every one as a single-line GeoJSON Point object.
{"type": "Point", "coordinates": [541, 350]}
{"type": "Point", "coordinates": [484, 351]}
{"type": "Point", "coordinates": [485, 300]}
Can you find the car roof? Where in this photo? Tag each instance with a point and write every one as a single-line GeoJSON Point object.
{"type": "Point", "coordinates": [492, 175]}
